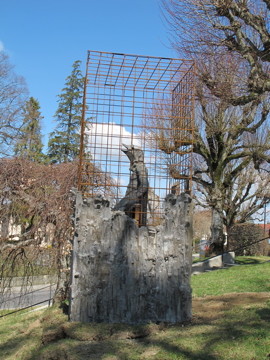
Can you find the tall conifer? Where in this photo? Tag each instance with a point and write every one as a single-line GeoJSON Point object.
{"type": "Point", "coordinates": [64, 141]}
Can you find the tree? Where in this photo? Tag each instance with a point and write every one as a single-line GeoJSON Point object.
{"type": "Point", "coordinates": [229, 147]}
{"type": "Point", "coordinates": [210, 31]}
{"type": "Point", "coordinates": [64, 141]}
{"type": "Point", "coordinates": [229, 41]}
{"type": "Point", "coordinates": [29, 145]}
{"type": "Point", "coordinates": [238, 26]}
{"type": "Point", "coordinates": [13, 94]}
{"type": "Point", "coordinates": [35, 213]}
{"type": "Point", "coordinates": [37, 204]}
{"type": "Point", "coordinates": [228, 143]}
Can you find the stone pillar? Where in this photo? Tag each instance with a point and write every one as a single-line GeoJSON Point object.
{"type": "Point", "coordinates": [122, 273]}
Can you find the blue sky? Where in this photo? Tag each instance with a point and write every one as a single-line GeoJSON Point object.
{"type": "Point", "coordinates": [44, 37]}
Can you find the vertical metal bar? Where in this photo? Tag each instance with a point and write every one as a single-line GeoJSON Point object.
{"type": "Point", "coordinates": [81, 153]}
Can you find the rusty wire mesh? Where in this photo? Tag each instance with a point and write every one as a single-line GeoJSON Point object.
{"type": "Point", "coordinates": [143, 101]}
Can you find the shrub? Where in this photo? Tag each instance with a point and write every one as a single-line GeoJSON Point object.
{"type": "Point", "coordinates": [240, 236]}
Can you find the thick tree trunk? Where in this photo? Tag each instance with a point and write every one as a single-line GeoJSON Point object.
{"type": "Point", "coordinates": [217, 234]}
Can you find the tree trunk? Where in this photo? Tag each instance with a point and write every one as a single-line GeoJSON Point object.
{"type": "Point", "coordinates": [217, 234]}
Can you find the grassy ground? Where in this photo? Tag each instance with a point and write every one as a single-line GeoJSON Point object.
{"type": "Point", "coordinates": [253, 275]}
{"type": "Point", "coordinates": [230, 321]}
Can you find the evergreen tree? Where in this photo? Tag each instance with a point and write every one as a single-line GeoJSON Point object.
{"type": "Point", "coordinates": [29, 144]}
{"type": "Point", "coordinates": [64, 142]}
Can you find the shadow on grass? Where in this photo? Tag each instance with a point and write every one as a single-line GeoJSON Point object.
{"type": "Point", "coordinates": [238, 331]}
{"type": "Point", "coordinates": [251, 260]}
{"type": "Point", "coordinates": [264, 314]}
{"type": "Point", "coordinates": [241, 330]}
{"type": "Point", "coordinates": [12, 346]}
{"type": "Point", "coordinates": [248, 261]}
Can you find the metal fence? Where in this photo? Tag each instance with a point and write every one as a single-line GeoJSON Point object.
{"type": "Point", "coordinates": [30, 299]}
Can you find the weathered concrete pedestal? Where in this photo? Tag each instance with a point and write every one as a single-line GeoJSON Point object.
{"type": "Point", "coordinates": [125, 274]}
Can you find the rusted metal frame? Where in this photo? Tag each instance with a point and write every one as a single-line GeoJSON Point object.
{"type": "Point", "coordinates": [135, 113]}
{"type": "Point", "coordinates": [140, 56]}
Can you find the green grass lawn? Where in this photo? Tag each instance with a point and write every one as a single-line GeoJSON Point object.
{"type": "Point", "coordinates": [252, 276]}
{"type": "Point", "coordinates": [231, 321]}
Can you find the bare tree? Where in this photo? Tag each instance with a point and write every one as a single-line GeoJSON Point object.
{"type": "Point", "coordinates": [230, 143]}
{"type": "Point", "coordinates": [36, 218]}
{"type": "Point", "coordinates": [13, 95]}
{"type": "Point", "coordinates": [230, 41]}
{"type": "Point", "coordinates": [36, 209]}
{"type": "Point", "coordinates": [203, 27]}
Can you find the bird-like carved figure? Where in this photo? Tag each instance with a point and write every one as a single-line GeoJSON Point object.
{"type": "Point", "coordinates": [134, 203]}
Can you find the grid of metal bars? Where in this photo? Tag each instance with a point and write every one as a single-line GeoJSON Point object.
{"type": "Point", "coordinates": [143, 101]}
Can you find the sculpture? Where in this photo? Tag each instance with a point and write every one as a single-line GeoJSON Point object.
{"type": "Point", "coordinates": [134, 203]}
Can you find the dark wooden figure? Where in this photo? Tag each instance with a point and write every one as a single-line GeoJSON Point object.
{"type": "Point", "coordinates": [134, 203]}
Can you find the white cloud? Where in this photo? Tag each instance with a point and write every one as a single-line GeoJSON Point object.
{"type": "Point", "coordinates": [105, 141]}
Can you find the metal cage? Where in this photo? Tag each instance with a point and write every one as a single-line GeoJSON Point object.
{"type": "Point", "coordinates": [140, 101]}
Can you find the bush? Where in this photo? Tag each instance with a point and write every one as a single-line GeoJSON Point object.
{"type": "Point", "coordinates": [241, 235]}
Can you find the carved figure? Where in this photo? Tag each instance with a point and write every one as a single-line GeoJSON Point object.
{"type": "Point", "coordinates": [175, 189]}
{"type": "Point", "coordinates": [134, 203]}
